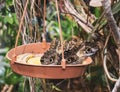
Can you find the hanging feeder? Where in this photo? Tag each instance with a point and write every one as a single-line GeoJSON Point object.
{"type": "Point", "coordinates": [44, 71]}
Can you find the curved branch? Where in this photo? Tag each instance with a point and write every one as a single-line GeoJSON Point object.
{"type": "Point", "coordinates": [105, 67]}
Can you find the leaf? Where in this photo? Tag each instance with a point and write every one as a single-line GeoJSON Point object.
{"type": "Point", "coordinates": [8, 19]}
{"type": "Point", "coordinates": [15, 18]}
{"type": "Point", "coordinates": [97, 12]}
{"type": "Point", "coordinates": [9, 2]}
{"type": "Point", "coordinates": [13, 78]}
{"type": "Point", "coordinates": [116, 8]}
{"type": "Point", "coordinates": [56, 88]}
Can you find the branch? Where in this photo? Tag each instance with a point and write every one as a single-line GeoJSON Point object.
{"type": "Point", "coordinates": [78, 19]}
{"type": "Point", "coordinates": [117, 85]}
{"type": "Point", "coordinates": [115, 31]}
{"type": "Point", "coordinates": [31, 84]}
{"type": "Point", "coordinates": [71, 10]}
{"type": "Point", "coordinates": [21, 22]}
{"type": "Point", "coordinates": [111, 21]}
{"type": "Point", "coordinates": [105, 67]}
{"type": "Point", "coordinates": [7, 88]}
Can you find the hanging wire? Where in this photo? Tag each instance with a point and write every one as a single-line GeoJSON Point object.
{"type": "Point", "coordinates": [61, 38]}
{"type": "Point", "coordinates": [21, 22]}
{"type": "Point", "coordinates": [20, 26]}
{"type": "Point", "coordinates": [44, 23]}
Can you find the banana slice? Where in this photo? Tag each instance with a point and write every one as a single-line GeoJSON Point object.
{"type": "Point", "coordinates": [23, 58]}
{"type": "Point", "coordinates": [34, 61]}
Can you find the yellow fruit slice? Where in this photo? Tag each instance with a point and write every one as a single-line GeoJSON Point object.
{"type": "Point", "coordinates": [85, 62]}
{"type": "Point", "coordinates": [34, 61]}
{"type": "Point", "coordinates": [23, 58]}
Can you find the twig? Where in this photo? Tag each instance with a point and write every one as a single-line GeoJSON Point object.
{"type": "Point", "coordinates": [104, 59]}
{"type": "Point", "coordinates": [10, 88]}
{"type": "Point", "coordinates": [44, 85]}
{"type": "Point", "coordinates": [32, 5]}
{"type": "Point", "coordinates": [108, 85]}
{"type": "Point", "coordinates": [105, 67]}
{"type": "Point", "coordinates": [119, 58]}
{"type": "Point", "coordinates": [70, 9]}
{"type": "Point", "coordinates": [106, 42]}
{"type": "Point", "coordinates": [31, 83]}
{"type": "Point", "coordinates": [5, 88]}
{"type": "Point", "coordinates": [98, 23]}
{"type": "Point", "coordinates": [117, 85]}
{"type": "Point", "coordinates": [60, 82]}
{"type": "Point", "coordinates": [17, 2]}
{"type": "Point", "coordinates": [21, 22]}
{"type": "Point", "coordinates": [78, 19]}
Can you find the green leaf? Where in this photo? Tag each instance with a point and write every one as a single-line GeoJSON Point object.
{"type": "Point", "coordinates": [97, 12]}
{"type": "Point", "coordinates": [13, 78]}
{"type": "Point", "coordinates": [9, 2]}
{"type": "Point", "coordinates": [15, 18]}
{"type": "Point", "coordinates": [8, 19]}
{"type": "Point", "coordinates": [56, 88]}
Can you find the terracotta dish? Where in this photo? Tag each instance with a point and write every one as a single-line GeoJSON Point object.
{"type": "Point", "coordinates": [43, 71]}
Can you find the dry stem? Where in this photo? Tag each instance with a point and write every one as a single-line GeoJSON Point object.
{"type": "Point", "coordinates": [78, 18]}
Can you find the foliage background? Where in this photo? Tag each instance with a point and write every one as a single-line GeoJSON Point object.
{"type": "Point", "coordinates": [94, 79]}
